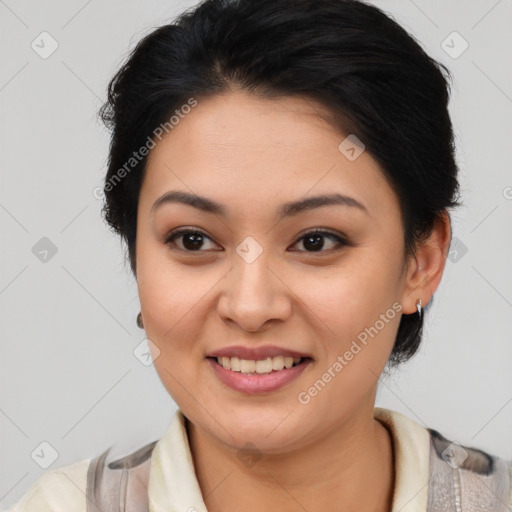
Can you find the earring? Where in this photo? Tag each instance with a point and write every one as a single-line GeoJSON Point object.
{"type": "Point", "coordinates": [418, 306]}
{"type": "Point", "coordinates": [139, 321]}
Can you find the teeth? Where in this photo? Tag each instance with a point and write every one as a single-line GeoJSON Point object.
{"type": "Point", "coordinates": [235, 363]}
{"type": "Point", "coordinates": [261, 366]}
{"type": "Point", "coordinates": [264, 366]}
{"type": "Point", "coordinates": [245, 365]}
{"type": "Point", "coordinates": [278, 363]}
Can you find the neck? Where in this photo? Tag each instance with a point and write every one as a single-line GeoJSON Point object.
{"type": "Point", "coordinates": [352, 464]}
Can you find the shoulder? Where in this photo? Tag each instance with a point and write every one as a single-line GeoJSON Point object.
{"type": "Point", "coordinates": [455, 472]}
{"type": "Point", "coordinates": [57, 489]}
{"type": "Point", "coordinates": [480, 479]}
{"type": "Point", "coordinates": [100, 481]}
{"type": "Point", "coordinates": [464, 456]}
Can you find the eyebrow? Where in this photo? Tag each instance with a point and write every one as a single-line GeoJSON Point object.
{"type": "Point", "coordinates": [286, 210]}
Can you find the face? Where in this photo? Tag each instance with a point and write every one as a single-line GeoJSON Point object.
{"type": "Point", "coordinates": [246, 275]}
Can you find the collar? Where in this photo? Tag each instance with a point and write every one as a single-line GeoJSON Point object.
{"type": "Point", "coordinates": [411, 446]}
{"type": "Point", "coordinates": [173, 486]}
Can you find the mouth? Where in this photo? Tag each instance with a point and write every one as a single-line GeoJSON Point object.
{"type": "Point", "coordinates": [253, 377]}
{"type": "Point", "coordinates": [259, 367]}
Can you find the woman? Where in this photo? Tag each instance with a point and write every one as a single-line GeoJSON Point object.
{"type": "Point", "coordinates": [282, 173]}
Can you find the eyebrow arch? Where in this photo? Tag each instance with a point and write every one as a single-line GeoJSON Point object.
{"type": "Point", "coordinates": [286, 210]}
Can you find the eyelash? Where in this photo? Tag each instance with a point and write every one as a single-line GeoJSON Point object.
{"type": "Point", "coordinates": [341, 241]}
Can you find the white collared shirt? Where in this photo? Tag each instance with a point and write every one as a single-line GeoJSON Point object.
{"type": "Point", "coordinates": [173, 486]}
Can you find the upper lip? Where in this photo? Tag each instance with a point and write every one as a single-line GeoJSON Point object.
{"type": "Point", "coordinates": [256, 353]}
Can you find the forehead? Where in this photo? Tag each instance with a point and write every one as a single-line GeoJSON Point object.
{"type": "Point", "coordinates": [242, 121]}
{"type": "Point", "coordinates": [239, 147]}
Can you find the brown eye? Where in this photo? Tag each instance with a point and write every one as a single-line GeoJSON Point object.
{"type": "Point", "coordinates": [314, 241]}
{"type": "Point", "coordinates": [191, 240]}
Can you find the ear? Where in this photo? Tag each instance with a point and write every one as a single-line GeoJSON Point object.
{"type": "Point", "coordinates": [425, 269]}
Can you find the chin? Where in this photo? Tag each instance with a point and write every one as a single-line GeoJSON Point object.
{"type": "Point", "coordinates": [271, 433]}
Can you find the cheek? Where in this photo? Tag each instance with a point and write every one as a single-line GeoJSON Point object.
{"type": "Point", "coordinates": [356, 313]}
{"type": "Point", "coordinates": [351, 295]}
{"type": "Point", "coordinates": [170, 304]}
{"type": "Point", "coordinates": [357, 323]}
{"type": "Point", "coordinates": [167, 291]}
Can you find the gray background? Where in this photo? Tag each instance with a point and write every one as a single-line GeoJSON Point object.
{"type": "Point", "coordinates": [68, 373]}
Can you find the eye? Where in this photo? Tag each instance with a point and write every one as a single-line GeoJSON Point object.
{"type": "Point", "coordinates": [313, 240]}
{"type": "Point", "coordinates": [192, 240]}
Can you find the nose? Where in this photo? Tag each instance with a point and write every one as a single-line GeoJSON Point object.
{"type": "Point", "coordinates": [254, 294]}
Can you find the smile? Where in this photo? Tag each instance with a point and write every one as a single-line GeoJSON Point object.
{"type": "Point", "coordinates": [260, 366]}
{"type": "Point", "coordinates": [252, 377]}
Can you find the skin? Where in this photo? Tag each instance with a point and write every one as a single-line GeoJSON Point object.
{"type": "Point", "coordinates": [252, 155]}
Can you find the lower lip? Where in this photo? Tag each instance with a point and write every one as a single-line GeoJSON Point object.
{"type": "Point", "coordinates": [257, 383]}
